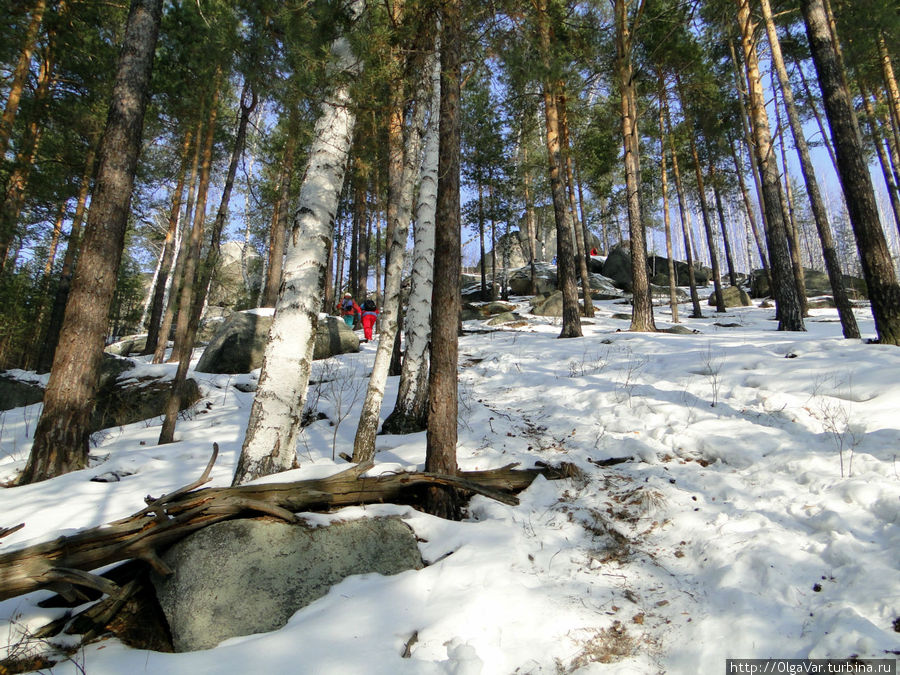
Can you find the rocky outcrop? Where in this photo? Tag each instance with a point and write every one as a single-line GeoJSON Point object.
{"type": "Point", "coordinates": [15, 393]}
{"type": "Point", "coordinates": [239, 344]}
{"type": "Point", "coordinates": [250, 576]}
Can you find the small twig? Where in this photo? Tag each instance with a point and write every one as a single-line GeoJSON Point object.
{"type": "Point", "coordinates": [9, 530]}
{"type": "Point", "coordinates": [154, 505]}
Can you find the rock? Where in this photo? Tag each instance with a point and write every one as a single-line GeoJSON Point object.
{"type": "Point", "coordinates": [505, 317]}
{"type": "Point", "coordinates": [121, 403]}
{"type": "Point", "coordinates": [16, 393]}
{"type": "Point", "coordinates": [237, 276]}
{"type": "Point", "coordinates": [733, 297]}
{"type": "Point", "coordinates": [815, 282]}
{"type": "Point", "coordinates": [250, 576]}
{"type": "Point", "coordinates": [617, 265]}
{"type": "Point", "coordinates": [550, 305]}
{"type": "Point", "coordinates": [520, 279]}
{"type": "Point", "coordinates": [130, 344]}
{"type": "Point", "coordinates": [679, 330]}
{"type": "Point", "coordinates": [118, 403]}
{"type": "Point", "coordinates": [239, 344]}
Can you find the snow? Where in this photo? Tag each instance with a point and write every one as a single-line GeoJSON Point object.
{"type": "Point", "coordinates": [758, 517]}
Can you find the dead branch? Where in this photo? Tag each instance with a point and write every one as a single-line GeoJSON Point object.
{"type": "Point", "coordinates": [65, 563]}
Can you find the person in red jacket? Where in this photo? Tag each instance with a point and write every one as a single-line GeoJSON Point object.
{"type": "Point", "coordinates": [349, 310]}
{"type": "Point", "coordinates": [369, 317]}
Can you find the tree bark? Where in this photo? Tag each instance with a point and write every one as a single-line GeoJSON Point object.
{"type": "Point", "coordinates": [66, 563]}
{"type": "Point", "coordinates": [57, 311]}
{"type": "Point", "coordinates": [883, 159]}
{"type": "Point", "coordinates": [884, 292]}
{"type": "Point", "coordinates": [388, 320]}
{"type": "Point", "coordinates": [171, 241]}
{"type": "Point", "coordinates": [664, 184]}
{"type": "Point", "coordinates": [748, 209]}
{"type": "Point", "coordinates": [726, 243]}
{"type": "Point", "coordinates": [278, 233]}
{"type": "Point", "coordinates": [410, 412]}
{"type": "Point", "coordinates": [20, 75]}
{"type": "Point", "coordinates": [204, 275]}
{"type": "Point", "coordinates": [443, 404]}
{"type": "Point", "coordinates": [270, 443]}
{"type": "Point", "coordinates": [829, 252]}
{"type": "Point", "coordinates": [790, 315]}
{"type": "Point", "coordinates": [61, 438]}
{"type": "Point", "coordinates": [580, 250]}
{"type": "Point", "coordinates": [641, 297]}
{"type": "Point", "coordinates": [685, 217]}
{"type": "Point", "coordinates": [177, 275]}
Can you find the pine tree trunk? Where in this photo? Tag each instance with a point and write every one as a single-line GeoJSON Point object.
{"type": "Point", "coordinates": [191, 268]}
{"type": "Point", "coordinates": [790, 315]}
{"type": "Point", "coordinates": [883, 159]}
{"type": "Point", "coordinates": [205, 273]}
{"type": "Point", "coordinates": [270, 443]}
{"type": "Point", "coordinates": [280, 219]}
{"type": "Point", "coordinates": [723, 224]}
{"type": "Point", "coordinates": [17, 183]}
{"type": "Point", "coordinates": [443, 403]}
{"type": "Point", "coordinates": [483, 264]}
{"type": "Point", "coordinates": [685, 215]}
{"type": "Point", "coordinates": [57, 310]}
{"type": "Point", "coordinates": [61, 438]}
{"type": "Point", "coordinates": [571, 320]}
{"type": "Point", "coordinates": [664, 184]}
{"type": "Point", "coordinates": [878, 269]}
{"type": "Point", "coordinates": [890, 83]}
{"type": "Point", "coordinates": [751, 219]}
{"type": "Point", "coordinates": [530, 228]}
{"type": "Point", "coordinates": [642, 299]}
{"type": "Point", "coordinates": [181, 254]}
{"type": "Point", "coordinates": [829, 253]}
{"type": "Point", "coordinates": [580, 254]}
{"type": "Point", "coordinates": [20, 75]}
{"type": "Point", "coordinates": [168, 255]}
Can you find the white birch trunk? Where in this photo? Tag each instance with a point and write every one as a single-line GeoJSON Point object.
{"type": "Point", "coordinates": [152, 287]}
{"type": "Point", "coordinates": [412, 398]}
{"type": "Point", "coordinates": [271, 439]}
{"type": "Point", "coordinates": [364, 442]}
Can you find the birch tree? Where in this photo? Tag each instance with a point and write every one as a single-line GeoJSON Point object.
{"type": "Point", "coordinates": [364, 442]}
{"type": "Point", "coordinates": [410, 410]}
{"type": "Point", "coordinates": [271, 438]}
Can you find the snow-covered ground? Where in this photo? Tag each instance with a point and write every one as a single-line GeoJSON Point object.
{"type": "Point", "coordinates": [758, 517]}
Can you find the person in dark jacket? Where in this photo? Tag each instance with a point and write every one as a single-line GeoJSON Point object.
{"type": "Point", "coordinates": [349, 310]}
{"type": "Point", "coordinates": [369, 317]}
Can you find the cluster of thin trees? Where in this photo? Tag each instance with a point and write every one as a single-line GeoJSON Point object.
{"type": "Point", "coordinates": [347, 110]}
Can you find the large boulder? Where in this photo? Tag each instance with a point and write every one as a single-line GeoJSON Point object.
{"type": "Point", "coordinates": [520, 279]}
{"type": "Point", "coordinates": [15, 393]}
{"type": "Point", "coordinates": [734, 296]}
{"type": "Point", "coordinates": [239, 344]}
{"type": "Point", "coordinates": [250, 576]}
{"type": "Point", "coordinates": [119, 400]}
{"type": "Point", "coordinates": [129, 344]}
{"type": "Point", "coordinates": [816, 284]}
{"type": "Point", "coordinates": [550, 305]}
{"type": "Point", "coordinates": [124, 400]}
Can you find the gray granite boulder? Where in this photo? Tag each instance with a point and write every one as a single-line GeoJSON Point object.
{"type": "Point", "coordinates": [733, 296]}
{"type": "Point", "coordinates": [250, 576]}
{"type": "Point", "coordinates": [239, 343]}
{"type": "Point", "coordinates": [15, 393]}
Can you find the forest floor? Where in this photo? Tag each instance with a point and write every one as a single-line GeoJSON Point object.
{"type": "Point", "coordinates": [758, 516]}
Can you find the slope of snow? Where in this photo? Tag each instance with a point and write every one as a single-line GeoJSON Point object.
{"type": "Point", "coordinates": [758, 516]}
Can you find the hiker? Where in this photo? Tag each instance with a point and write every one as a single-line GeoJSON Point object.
{"type": "Point", "coordinates": [349, 310]}
{"type": "Point", "coordinates": [594, 251]}
{"type": "Point", "coordinates": [369, 317]}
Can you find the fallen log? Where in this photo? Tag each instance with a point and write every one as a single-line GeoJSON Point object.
{"type": "Point", "coordinates": [64, 564]}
